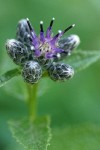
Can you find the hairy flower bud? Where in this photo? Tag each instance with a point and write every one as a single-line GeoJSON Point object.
{"type": "Point", "coordinates": [60, 72]}
{"type": "Point", "coordinates": [17, 51]}
{"type": "Point", "coordinates": [22, 30]}
{"type": "Point", "coordinates": [23, 34]}
{"type": "Point", "coordinates": [68, 44]}
{"type": "Point", "coordinates": [31, 72]}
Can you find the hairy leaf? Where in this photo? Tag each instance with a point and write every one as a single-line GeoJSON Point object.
{"type": "Point", "coordinates": [8, 75]}
{"type": "Point", "coordinates": [33, 135]}
{"type": "Point", "coordinates": [81, 59]}
{"type": "Point", "coordinates": [76, 137]}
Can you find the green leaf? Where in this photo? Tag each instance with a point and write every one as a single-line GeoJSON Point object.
{"type": "Point", "coordinates": [8, 75]}
{"type": "Point", "coordinates": [16, 88]}
{"type": "Point", "coordinates": [81, 59]}
{"type": "Point", "coordinates": [33, 135]}
{"type": "Point", "coordinates": [83, 137]}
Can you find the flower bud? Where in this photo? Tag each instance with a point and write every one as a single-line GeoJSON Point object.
{"type": "Point", "coordinates": [31, 72]}
{"type": "Point", "coordinates": [23, 33]}
{"type": "Point", "coordinates": [60, 72]}
{"type": "Point", "coordinates": [68, 44]}
{"type": "Point", "coordinates": [17, 51]}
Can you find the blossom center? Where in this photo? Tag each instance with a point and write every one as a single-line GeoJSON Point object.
{"type": "Point", "coordinates": [45, 47]}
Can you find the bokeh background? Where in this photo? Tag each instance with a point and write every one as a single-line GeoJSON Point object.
{"type": "Point", "coordinates": [74, 102]}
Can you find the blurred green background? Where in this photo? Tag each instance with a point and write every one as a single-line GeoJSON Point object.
{"type": "Point", "coordinates": [73, 102]}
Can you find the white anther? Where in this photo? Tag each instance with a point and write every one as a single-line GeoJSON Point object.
{"type": "Point", "coordinates": [73, 25]}
{"type": "Point", "coordinates": [58, 55]}
{"type": "Point", "coordinates": [59, 31]}
{"type": "Point", "coordinates": [27, 19]}
{"type": "Point", "coordinates": [32, 47]}
{"type": "Point", "coordinates": [53, 18]}
{"type": "Point", "coordinates": [41, 22]}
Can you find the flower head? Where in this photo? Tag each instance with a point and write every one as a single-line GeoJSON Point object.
{"type": "Point", "coordinates": [44, 49]}
{"type": "Point", "coordinates": [46, 45]}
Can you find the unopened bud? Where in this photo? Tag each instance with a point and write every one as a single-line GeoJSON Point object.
{"type": "Point", "coordinates": [60, 72]}
{"type": "Point", "coordinates": [17, 51]}
{"type": "Point", "coordinates": [31, 72]}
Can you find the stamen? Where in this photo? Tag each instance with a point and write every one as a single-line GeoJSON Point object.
{"type": "Point", "coordinates": [60, 33]}
{"type": "Point", "coordinates": [41, 26]}
{"type": "Point", "coordinates": [48, 32]}
{"type": "Point", "coordinates": [52, 21]}
{"type": "Point", "coordinates": [56, 37]}
{"type": "Point", "coordinates": [42, 39]}
{"type": "Point", "coordinates": [68, 28]}
{"type": "Point", "coordinates": [33, 34]}
{"type": "Point", "coordinates": [28, 22]}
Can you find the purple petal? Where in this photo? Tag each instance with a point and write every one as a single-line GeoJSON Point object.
{"type": "Point", "coordinates": [48, 32]}
{"type": "Point", "coordinates": [35, 39]}
{"type": "Point", "coordinates": [42, 38]}
{"type": "Point", "coordinates": [37, 53]}
{"type": "Point", "coordinates": [49, 55]}
{"type": "Point", "coordinates": [56, 37]}
{"type": "Point", "coordinates": [58, 50]}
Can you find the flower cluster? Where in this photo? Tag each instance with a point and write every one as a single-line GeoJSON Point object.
{"type": "Point", "coordinates": [38, 55]}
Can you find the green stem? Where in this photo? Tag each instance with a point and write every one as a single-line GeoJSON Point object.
{"type": "Point", "coordinates": [32, 102]}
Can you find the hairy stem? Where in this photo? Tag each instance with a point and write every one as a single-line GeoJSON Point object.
{"type": "Point", "coordinates": [32, 100]}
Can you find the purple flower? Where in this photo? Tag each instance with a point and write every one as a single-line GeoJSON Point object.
{"type": "Point", "coordinates": [47, 45]}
